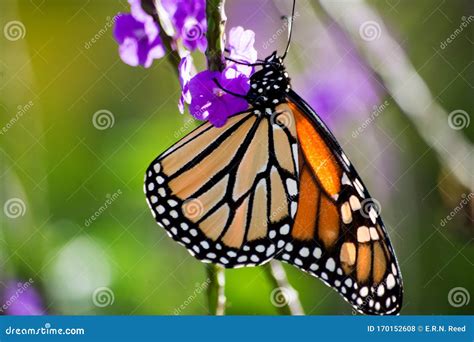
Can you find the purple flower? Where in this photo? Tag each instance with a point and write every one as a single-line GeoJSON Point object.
{"type": "Point", "coordinates": [22, 299]}
{"type": "Point", "coordinates": [189, 20]}
{"type": "Point", "coordinates": [210, 102]}
{"type": "Point", "coordinates": [217, 101]}
{"type": "Point", "coordinates": [137, 35]}
{"type": "Point", "coordinates": [240, 46]}
{"type": "Point", "coordinates": [185, 68]}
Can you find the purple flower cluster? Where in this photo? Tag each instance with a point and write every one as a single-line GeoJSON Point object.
{"type": "Point", "coordinates": [138, 34]}
{"type": "Point", "coordinates": [207, 93]}
{"type": "Point", "coordinates": [210, 99]}
{"type": "Point", "coordinates": [138, 37]}
{"type": "Point", "coordinates": [211, 94]}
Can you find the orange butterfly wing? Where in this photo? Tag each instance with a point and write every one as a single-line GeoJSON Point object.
{"type": "Point", "coordinates": [228, 194]}
{"type": "Point", "coordinates": [337, 233]}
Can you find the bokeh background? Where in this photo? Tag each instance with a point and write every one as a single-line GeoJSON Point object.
{"type": "Point", "coordinates": [381, 74]}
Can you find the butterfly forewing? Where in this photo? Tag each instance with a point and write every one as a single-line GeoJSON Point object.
{"type": "Point", "coordinates": [338, 234]}
{"type": "Point", "coordinates": [229, 194]}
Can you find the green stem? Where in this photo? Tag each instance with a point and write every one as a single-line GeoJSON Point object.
{"type": "Point", "coordinates": [215, 291]}
{"type": "Point", "coordinates": [216, 20]}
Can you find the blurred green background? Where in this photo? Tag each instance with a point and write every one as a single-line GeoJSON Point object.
{"type": "Point", "coordinates": [64, 169]}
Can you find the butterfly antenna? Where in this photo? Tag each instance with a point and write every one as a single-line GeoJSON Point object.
{"type": "Point", "coordinates": [244, 63]}
{"type": "Point", "coordinates": [290, 28]}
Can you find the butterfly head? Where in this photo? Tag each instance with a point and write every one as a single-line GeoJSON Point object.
{"type": "Point", "coordinates": [269, 85]}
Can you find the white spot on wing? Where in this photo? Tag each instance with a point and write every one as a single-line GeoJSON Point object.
{"type": "Point", "coordinates": [390, 281]}
{"type": "Point", "coordinates": [345, 180]}
{"type": "Point", "coordinates": [346, 160]}
{"type": "Point", "coordinates": [291, 186]}
{"type": "Point", "coordinates": [304, 252]}
{"type": "Point", "coordinates": [330, 264]}
{"type": "Point", "coordinates": [285, 229]}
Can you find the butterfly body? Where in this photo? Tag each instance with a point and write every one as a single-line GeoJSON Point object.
{"type": "Point", "coordinates": [270, 85]}
{"type": "Point", "coordinates": [274, 183]}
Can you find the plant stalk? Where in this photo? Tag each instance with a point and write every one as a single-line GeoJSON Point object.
{"type": "Point", "coordinates": [284, 297]}
{"type": "Point", "coordinates": [216, 20]}
{"type": "Point", "coordinates": [151, 7]}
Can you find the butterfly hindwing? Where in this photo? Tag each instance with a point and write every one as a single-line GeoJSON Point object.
{"type": "Point", "coordinates": [338, 234]}
{"type": "Point", "coordinates": [228, 194]}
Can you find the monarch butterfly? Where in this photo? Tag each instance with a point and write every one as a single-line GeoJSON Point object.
{"type": "Point", "coordinates": [274, 183]}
